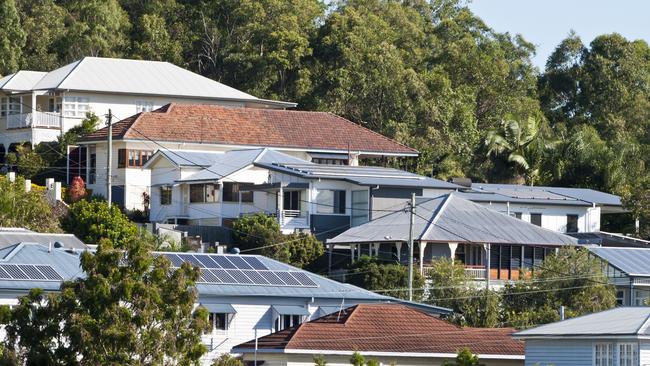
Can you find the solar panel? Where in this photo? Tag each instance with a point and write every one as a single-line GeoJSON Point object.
{"type": "Point", "coordinates": [272, 278]}
{"type": "Point", "coordinates": [256, 277]}
{"type": "Point", "coordinates": [224, 262]}
{"type": "Point", "coordinates": [49, 272]}
{"type": "Point", "coordinates": [288, 278]}
{"type": "Point", "coordinates": [209, 277]}
{"type": "Point", "coordinates": [303, 279]}
{"type": "Point", "coordinates": [15, 272]}
{"type": "Point", "coordinates": [190, 259]}
{"type": "Point", "coordinates": [223, 275]}
{"type": "Point", "coordinates": [32, 272]}
{"type": "Point", "coordinates": [3, 273]}
{"type": "Point", "coordinates": [176, 260]}
{"type": "Point", "coordinates": [207, 261]}
{"type": "Point", "coordinates": [240, 277]}
{"type": "Point", "coordinates": [255, 263]}
{"type": "Point", "coordinates": [239, 262]}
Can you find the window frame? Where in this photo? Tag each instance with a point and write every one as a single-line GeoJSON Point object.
{"type": "Point", "coordinates": [73, 106]}
{"type": "Point", "coordinates": [536, 214]}
{"type": "Point", "coordinates": [166, 195]}
{"type": "Point", "coordinates": [12, 109]}
{"type": "Point", "coordinates": [572, 217]}
{"type": "Point", "coordinates": [204, 192]}
{"type": "Point", "coordinates": [212, 320]}
{"type": "Point", "coordinates": [132, 158]}
{"type": "Point", "coordinates": [609, 354]}
{"type": "Point", "coordinates": [634, 354]}
{"type": "Point", "coordinates": [284, 321]}
{"type": "Point", "coordinates": [143, 106]}
{"type": "Point", "coordinates": [337, 205]}
{"type": "Point", "coordinates": [234, 190]}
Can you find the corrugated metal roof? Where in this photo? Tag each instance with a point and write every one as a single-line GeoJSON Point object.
{"type": "Point", "coordinates": [451, 218]}
{"type": "Point", "coordinates": [549, 194]}
{"type": "Point", "coordinates": [362, 175]}
{"type": "Point", "coordinates": [618, 321]}
{"type": "Point", "coordinates": [231, 161]}
{"type": "Point", "coordinates": [633, 261]}
{"type": "Point", "coordinates": [97, 74]}
{"type": "Point", "coordinates": [21, 81]}
{"type": "Point", "coordinates": [496, 197]}
{"type": "Point", "coordinates": [8, 238]}
{"type": "Point", "coordinates": [187, 158]}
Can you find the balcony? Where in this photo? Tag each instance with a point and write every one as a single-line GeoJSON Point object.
{"type": "Point", "coordinates": [34, 120]}
{"type": "Point", "coordinates": [476, 272]}
{"type": "Point", "coordinates": [293, 219]}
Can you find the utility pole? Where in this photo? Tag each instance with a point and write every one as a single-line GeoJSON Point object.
{"type": "Point", "coordinates": [411, 217]}
{"type": "Point", "coordinates": [109, 157]}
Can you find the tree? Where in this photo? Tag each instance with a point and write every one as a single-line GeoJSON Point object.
{"type": "Point", "coordinates": [523, 145]}
{"type": "Point", "coordinates": [450, 287]}
{"type": "Point", "coordinates": [31, 210]}
{"type": "Point", "coordinates": [570, 278]}
{"type": "Point", "coordinates": [260, 233]}
{"type": "Point", "coordinates": [77, 190]}
{"type": "Point", "coordinates": [44, 23]}
{"type": "Point", "coordinates": [26, 161]}
{"type": "Point", "coordinates": [93, 220]}
{"type": "Point", "coordinates": [129, 309]}
{"type": "Point", "coordinates": [155, 42]}
{"type": "Point", "coordinates": [227, 360]}
{"type": "Point", "coordinates": [465, 357]}
{"type": "Point", "coordinates": [357, 359]}
{"type": "Point", "coordinates": [319, 360]}
{"type": "Point", "coordinates": [12, 37]}
{"type": "Point", "coordinates": [370, 273]}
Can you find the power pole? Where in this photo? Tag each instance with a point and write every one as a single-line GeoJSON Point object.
{"type": "Point", "coordinates": [411, 218]}
{"type": "Point", "coordinates": [109, 157]}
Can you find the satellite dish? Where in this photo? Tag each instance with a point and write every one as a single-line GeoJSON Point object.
{"type": "Point", "coordinates": [234, 250]}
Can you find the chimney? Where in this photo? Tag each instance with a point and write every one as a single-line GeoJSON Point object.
{"type": "Point", "coordinates": [28, 185]}
{"type": "Point", "coordinates": [11, 176]}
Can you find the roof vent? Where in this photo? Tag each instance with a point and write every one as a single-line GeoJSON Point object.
{"type": "Point", "coordinates": [58, 244]}
{"type": "Point", "coordinates": [234, 250]}
{"type": "Point", "coordinates": [461, 181]}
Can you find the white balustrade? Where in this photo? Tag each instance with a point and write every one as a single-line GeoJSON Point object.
{"type": "Point", "coordinates": [34, 119]}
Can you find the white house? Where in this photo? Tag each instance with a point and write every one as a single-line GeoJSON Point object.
{"type": "Point", "coordinates": [39, 106]}
{"type": "Point", "coordinates": [629, 270]}
{"type": "Point", "coordinates": [617, 337]}
{"type": "Point", "coordinates": [247, 296]}
{"type": "Point", "coordinates": [312, 136]}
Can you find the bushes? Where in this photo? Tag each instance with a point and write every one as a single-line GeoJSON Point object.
{"type": "Point", "coordinates": [371, 274]}
{"type": "Point", "coordinates": [31, 210]}
{"type": "Point", "coordinates": [93, 220]}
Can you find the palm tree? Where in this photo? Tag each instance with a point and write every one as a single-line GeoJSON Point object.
{"type": "Point", "coordinates": [522, 144]}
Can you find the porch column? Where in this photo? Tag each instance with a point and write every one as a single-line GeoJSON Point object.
{"type": "Point", "coordinates": [452, 251]}
{"type": "Point", "coordinates": [33, 101]}
{"type": "Point", "coordinates": [398, 245]}
{"type": "Point", "coordinates": [487, 265]}
{"type": "Point", "coordinates": [330, 249]}
{"type": "Point", "coordinates": [422, 245]}
{"type": "Point", "coordinates": [376, 245]}
{"type": "Point", "coordinates": [352, 252]}
{"type": "Point", "coordinates": [239, 205]}
{"type": "Point", "coordinates": [220, 203]}
{"type": "Point", "coordinates": [21, 104]}
{"type": "Point", "coordinates": [280, 205]}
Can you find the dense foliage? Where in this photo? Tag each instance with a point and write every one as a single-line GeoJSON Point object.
{"type": "Point", "coordinates": [93, 220]}
{"type": "Point", "coordinates": [27, 209]}
{"type": "Point", "coordinates": [570, 278]}
{"type": "Point", "coordinates": [390, 279]}
{"type": "Point", "coordinates": [130, 309]}
{"type": "Point", "coordinates": [260, 233]}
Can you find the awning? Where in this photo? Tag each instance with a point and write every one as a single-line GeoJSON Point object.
{"type": "Point", "coordinates": [220, 308]}
{"type": "Point", "coordinates": [290, 310]}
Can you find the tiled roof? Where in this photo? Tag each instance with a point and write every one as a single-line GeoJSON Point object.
{"type": "Point", "coordinates": [211, 124]}
{"type": "Point", "coordinates": [388, 328]}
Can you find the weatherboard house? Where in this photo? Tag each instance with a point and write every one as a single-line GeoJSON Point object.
{"type": "Point", "coordinates": [491, 245]}
{"type": "Point", "coordinates": [629, 270]}
{"type": "Point", "coordinates": [247, 296]}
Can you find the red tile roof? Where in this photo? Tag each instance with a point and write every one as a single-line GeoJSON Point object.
{"type": "Point", "coordinates": [389, 328]}
{"type": "Point", "coordinates": [212, 124]}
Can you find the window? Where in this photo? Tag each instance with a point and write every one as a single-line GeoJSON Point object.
{"type": "Point", "coordinates": [92, 175]}
{"type": "Point", "coordinates": [12, 108]}
{"type": "Point", "coordinates": [536, 219]}
{"type": "Point", "coordinates": [143, 106]}
{"type": "Point", "coordinates": [329, 161]}
{"type": "Point", "coordinates": [165, 195]}
{"type": "Point", "coordinates": [231, 193]}
{"type": "Point", "coordinates": [330, 201]}
{"type": "Point", "coordinates": [127, 158]}
{"type": "Point", "coordinates": [287, 321]}
{"type": "Point", "coordinates": [627, 354]}
{"type": "Point", "coordinates": [291, 200]}
{"type": "Point", "coordinates": [571, 223]}
{"type": "Point", "coordinates": [620, 297]}
{"type": "Point", "coordinates": [54, 105]}
{"type": "Point", "coordinates": [516, 215]}
{"type": "Point", "coordinates": [203, 193]}
{"type": "Point", "coordinates": [217, 321]}
{"type": "Point", "coordinates": [75, 106]}
{"type": "Point", "coordinates": [603, 354]}
{"type": "Point", "coordinates": [360, 207]}
{"type": "Point", "coordinates": [641, 297]}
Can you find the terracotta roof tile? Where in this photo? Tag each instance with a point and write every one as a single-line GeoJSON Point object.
{"type": "Point", "coordinates": [211, 124]}
{"type": "Point", "coordinates": [390, 328]}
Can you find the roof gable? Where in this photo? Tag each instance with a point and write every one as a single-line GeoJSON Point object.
{"type": "Point", "coordinates": [633, 261]}
{"type": "Point", "coordinates": [21, 81]}
{"type": "Point", "coordinates": [232, 126]}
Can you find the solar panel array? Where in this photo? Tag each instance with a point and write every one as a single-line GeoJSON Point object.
{"type": "Point", "coordinates": [239, 270]}
{"type": "Point", "coordinates": [35, 272]}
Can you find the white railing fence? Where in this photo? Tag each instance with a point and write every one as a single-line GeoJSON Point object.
{"type": "Point", "coordinates": [293, 218]}
{"type": "Point", "coordinates": [34, 119]}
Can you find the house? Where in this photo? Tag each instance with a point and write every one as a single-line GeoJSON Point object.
{"type": "Point", "coordinates": [13, 236]}
{"type": "Point", "coordinates": [246, 295]}
{"type": "Point", "coordinates": [318, 137]}
{"type": "Point", "coordinates": [391, 334]}
{"type": "Point", "coordinates": [39, 106]}
{"type": "Point", "coordinates": [565, 210]}
{"type": "Point", "coordinates": [629, 270]}
{"type": "Point", "coordinates": [215, 188]}
{"type": "Point", "coordinates": [451, 226]}
{"type": "Point", "coordinates": [616, 337]}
